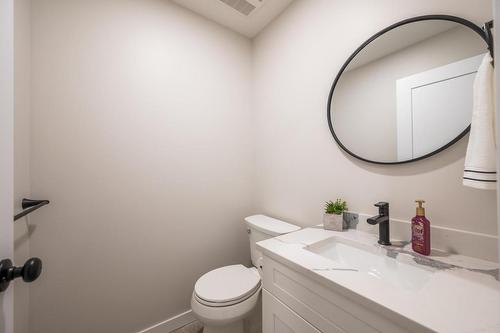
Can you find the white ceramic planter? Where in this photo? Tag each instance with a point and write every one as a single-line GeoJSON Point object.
{"type": "Point", "coordinates": [333, 222]}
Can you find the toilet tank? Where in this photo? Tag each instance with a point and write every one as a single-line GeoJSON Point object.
{"type": "Point", "coordinates": [262, 227]}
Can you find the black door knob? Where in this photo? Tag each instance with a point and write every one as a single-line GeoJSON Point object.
{"type": "Point", "coordinates": [30, 271]}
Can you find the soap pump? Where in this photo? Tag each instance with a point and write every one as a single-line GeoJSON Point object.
{"type": "Point", "coordinates": [421, 231]}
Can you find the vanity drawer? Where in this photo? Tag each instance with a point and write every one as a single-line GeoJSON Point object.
{"type": "Point", "coordinates": [326, 309]}
{"type": "Point", "coordinates": [278, 318]}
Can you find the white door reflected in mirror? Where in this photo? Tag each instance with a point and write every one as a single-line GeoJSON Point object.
{"type": "Point", "coordinates": [434, 106]}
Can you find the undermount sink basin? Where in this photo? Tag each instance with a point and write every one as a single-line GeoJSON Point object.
{"type": "Point", "coordinates": [376, 262]}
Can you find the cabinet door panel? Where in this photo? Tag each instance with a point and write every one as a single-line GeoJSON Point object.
{"type": "Point", "coordinates": [278, 318]}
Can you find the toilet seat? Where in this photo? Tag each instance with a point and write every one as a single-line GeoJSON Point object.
{"type": "Point", "coordinates": [226, 286]}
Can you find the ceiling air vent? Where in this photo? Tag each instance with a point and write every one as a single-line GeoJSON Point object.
{"type": "Point", "coordinates": [245, 7]}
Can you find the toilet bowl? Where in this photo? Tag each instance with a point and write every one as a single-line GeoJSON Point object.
{"type": "Point", "coordinates": [224, 297]}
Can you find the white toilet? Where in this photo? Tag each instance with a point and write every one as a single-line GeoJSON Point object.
{"type": "Point", "coordinates": [224, 297]}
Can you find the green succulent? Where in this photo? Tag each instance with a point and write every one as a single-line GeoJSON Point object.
{"type": "Point", "coordinates": [337, 207]}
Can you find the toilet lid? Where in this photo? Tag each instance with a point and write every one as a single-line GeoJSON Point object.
{"type": "Point", "coordinates": [227, 284]}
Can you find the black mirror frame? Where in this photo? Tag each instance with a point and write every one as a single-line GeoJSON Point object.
{"type": "Point", "coordinates": [484, 34]}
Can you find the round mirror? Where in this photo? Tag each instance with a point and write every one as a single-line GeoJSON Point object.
{"type": "Point", "coordinates": [406, 93]}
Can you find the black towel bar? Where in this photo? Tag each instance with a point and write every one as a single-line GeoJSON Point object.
{"type": "Point", "coordinates": [29, 206]}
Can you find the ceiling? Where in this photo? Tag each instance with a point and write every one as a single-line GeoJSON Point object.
{"type": "Point", "coordinates": [248, 17]}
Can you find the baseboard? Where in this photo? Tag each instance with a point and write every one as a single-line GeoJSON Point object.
{"type": "Point", "coordinates": [171, 324]}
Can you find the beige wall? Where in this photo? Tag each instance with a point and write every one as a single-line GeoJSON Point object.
{"type": "Point", "coordinates": [143, 136]}
{"type": "Point", "coordinates": [141, 139]}
{"type": "Point", "coordinates": [299, 165]}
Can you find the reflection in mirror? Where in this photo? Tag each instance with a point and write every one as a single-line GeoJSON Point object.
{"type": "Point", "coordinates": [409, 92]}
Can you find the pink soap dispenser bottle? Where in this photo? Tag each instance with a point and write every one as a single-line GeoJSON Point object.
{"type": "Point", "coordinates": [421, 231]}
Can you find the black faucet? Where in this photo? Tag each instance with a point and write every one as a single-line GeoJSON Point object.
{"type": "Point", "coordinates": [382, 219]}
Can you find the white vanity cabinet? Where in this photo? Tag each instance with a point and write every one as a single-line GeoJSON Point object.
{"type": "Point", "coordinates": [293, 302]}
{"type": "Point", "coordinates": [316, 280]}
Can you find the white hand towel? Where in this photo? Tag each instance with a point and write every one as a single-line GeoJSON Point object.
{"type": "Point", "coordinates": [480, 169]}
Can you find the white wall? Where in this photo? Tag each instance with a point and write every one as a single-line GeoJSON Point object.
{"type": "Point", "coordinates": [299, 165]}
{"type": "Point", "coordinates": [141, 139]}
{"type": "Point", "coordinates": [22, 140]}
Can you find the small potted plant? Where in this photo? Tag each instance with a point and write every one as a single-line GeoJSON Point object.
{"type": "Point", "coordinates": [333, 218]}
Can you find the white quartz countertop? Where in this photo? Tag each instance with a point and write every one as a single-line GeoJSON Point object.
{"type": "Point", "coordinates": [461, 295]}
